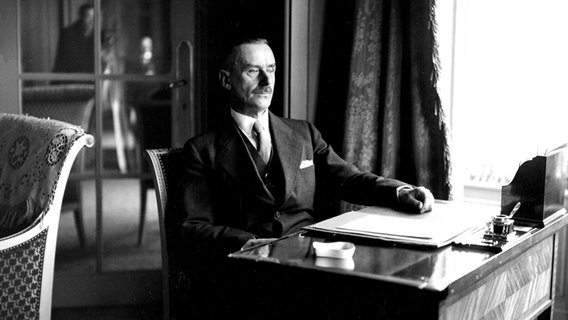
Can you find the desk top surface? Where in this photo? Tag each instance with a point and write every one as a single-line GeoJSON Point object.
{"type": "Point", "coordinates": [446, 268]}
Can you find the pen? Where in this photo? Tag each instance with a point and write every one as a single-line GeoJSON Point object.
{"type": "Point", "coordinates": [515, 209]}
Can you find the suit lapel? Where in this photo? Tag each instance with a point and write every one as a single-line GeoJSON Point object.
{"type": "Point", "coordinates": [288, 151]}
{"type": "Point", "coordinates": [235, 158]}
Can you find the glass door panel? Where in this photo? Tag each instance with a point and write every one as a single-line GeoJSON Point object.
{"type": "Point", "coordinates": [136, 116]}
{"type": "Point", "coordinates": [111, 184]}
{"type": "Point", "coordinates": [68, 101]}
{"type": "Point", "coordinates": [140, 119]}
{"type": "Point", "coordinates": [41, 24]}
{"type": "Point", "coordinates": [71, 102]}
{"type": "Point", "coordinates": [136, 37]}
{"type": "Point", "coordinates": [57, 36]}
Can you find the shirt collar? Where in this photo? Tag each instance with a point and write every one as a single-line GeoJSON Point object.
{"type": "Point", "coordinates": [245, 122]}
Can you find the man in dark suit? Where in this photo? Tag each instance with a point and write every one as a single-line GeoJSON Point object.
{"type": "Point", "coordinates": [75, 48]}
{"type": "Point", "coordinates": [254, 178]}
{"type": "Point", "coordinates": [245, 186]}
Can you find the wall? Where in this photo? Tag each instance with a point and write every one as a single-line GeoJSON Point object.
{"type": "Point", "coordinates": [306, 27]}
{"type": "Point", "coordinates": [8, 57]}
{"type": "Point", "coordinates": [39, 33]}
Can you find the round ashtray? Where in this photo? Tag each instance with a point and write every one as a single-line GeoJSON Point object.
{"type": "Point", "coordinates": [338, 249]}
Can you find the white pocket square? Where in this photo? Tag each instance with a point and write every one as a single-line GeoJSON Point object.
{"type": "Point", "coordinates": [306, 164]}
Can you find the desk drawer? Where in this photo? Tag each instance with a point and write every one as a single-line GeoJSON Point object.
{"type": "Point", "coordinates": [517, 290]}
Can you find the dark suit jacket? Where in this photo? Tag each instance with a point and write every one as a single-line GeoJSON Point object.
{"type": "Point", "coordinates": [75, 51]}
{"type": "Point", "coordinates": [226, 202]}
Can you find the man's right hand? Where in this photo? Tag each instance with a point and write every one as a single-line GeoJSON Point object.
{"type": "Point", "coordinates": [417, 199]}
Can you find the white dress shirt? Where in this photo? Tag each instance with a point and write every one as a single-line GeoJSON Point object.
{"type": "Point", "coordinates": [245, 123]}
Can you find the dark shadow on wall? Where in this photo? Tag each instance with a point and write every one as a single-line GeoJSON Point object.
{"type": "Point", "coordinates": [334, 74]}
{"type": "Point", "coordinates": [333, 88]}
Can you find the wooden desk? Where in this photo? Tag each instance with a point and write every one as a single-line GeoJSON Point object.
{"type": "Point", "coordinates": [389, 281]}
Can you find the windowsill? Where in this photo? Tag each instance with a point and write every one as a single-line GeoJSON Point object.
{"type": "Point", "coordinates": [489, 194]}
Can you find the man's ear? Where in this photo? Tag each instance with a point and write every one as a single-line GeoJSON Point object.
{"type": "Point", "coordinates": [224, 79]}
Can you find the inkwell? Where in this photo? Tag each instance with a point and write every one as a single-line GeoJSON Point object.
{"type": "Point", "coordinates": [501, 226]}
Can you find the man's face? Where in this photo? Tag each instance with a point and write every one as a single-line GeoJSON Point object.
{"type": "Point", "coordinates": [88, 18]}
{"type": "Point", "coordinates": [252, 79]}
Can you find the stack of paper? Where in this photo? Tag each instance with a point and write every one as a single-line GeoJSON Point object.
{"type": "Point", "coordinates": [446, 221]}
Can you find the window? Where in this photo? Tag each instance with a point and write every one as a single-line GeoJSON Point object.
{"type": "Point", "coordinates": [502, 84]}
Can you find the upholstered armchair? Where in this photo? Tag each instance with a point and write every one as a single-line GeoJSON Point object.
{"type": "Point", "coordinates": [36, 156]}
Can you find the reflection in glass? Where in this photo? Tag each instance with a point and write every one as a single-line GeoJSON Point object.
{"type": "Point", "coordinates": [139, 35]}
{"type": "Point", "coordinates": [75, 47]}
{"type": "Point", "coordinates": [58, 36]}
{"type": "Point", "coordinates": [39, 31]}
{"type": "Point", "coordinates": [136, 116]}
{"type": "Point", "coordinates": [71, 102]}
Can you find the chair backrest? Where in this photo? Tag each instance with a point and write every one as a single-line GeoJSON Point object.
{"type": "Point", "coordinates": [71, 103]}
{"type": "Point", "coordinates": [166, 164]}
{"type": "Point", "coordinates": [36, 156]}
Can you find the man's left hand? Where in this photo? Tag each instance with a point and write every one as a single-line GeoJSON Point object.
{"type": "Point", "coordinates": [417, 199]}
{"type": "Point", "coordinates": [262, 251]}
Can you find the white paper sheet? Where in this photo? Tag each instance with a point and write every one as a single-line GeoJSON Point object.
{"type": "Point", "coordinates": [436, 228]}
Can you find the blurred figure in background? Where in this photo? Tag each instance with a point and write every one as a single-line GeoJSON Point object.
{"type": "Point", "coordinates": [75, 48]}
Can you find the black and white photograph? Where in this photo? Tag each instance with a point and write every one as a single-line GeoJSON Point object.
{"type": "Point", "coordinates": [283, 159]}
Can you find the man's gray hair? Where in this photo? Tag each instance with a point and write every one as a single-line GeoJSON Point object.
{"type": "Point", "coordinates": [234, 55]}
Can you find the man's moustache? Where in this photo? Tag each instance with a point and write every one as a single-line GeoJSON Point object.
{"type": "Point", "coordinates": [261, 91]}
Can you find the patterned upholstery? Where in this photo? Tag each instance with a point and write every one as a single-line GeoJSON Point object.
{"type": "Point", "coordinates": [74, 104]}
{"type": "Point", "coordinates": [20, 276]}
{"type": "Point", "coordinates": [36, 156]}
{"type": "Point", "coordinates": [165, 164]}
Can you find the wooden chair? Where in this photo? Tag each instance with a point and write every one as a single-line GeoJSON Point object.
{"type": "Point", "coordinates": [74, 104]}
{"type": "Point", "coordinates": [165, 164]}
{"type": "Point", "coordinates": [36, 156]}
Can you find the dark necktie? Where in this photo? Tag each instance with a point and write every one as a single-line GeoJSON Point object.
{"type": "Point", "coordinates": [263, 141]}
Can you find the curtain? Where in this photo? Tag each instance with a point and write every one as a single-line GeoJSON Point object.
{"type": "Point", "coordinates": [394, 124]}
